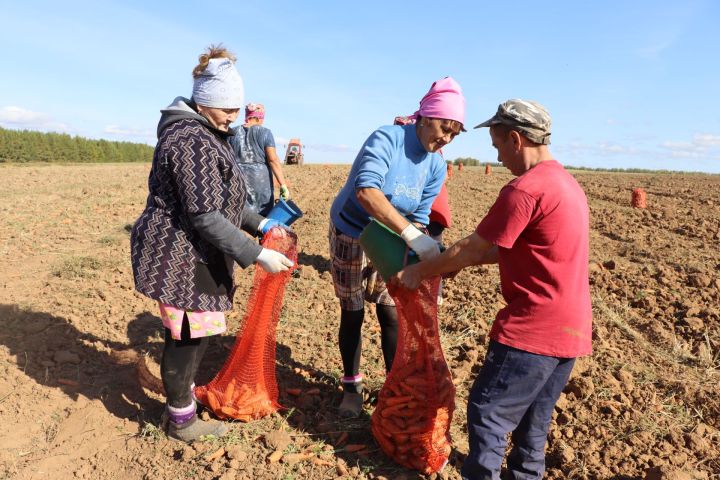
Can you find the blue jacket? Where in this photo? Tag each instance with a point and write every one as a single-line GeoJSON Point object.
{"type": "Point", "coordinates": [394, 161]}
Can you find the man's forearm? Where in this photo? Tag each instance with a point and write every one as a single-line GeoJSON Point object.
{"type": "Point", "coordinates": [469, 251]}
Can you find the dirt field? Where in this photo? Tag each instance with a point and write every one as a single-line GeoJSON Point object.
{"type": "Point", "coordinates": [645, 405]}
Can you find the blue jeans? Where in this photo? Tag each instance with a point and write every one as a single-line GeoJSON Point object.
{"type": "Point", "coordinates": [516, 392]}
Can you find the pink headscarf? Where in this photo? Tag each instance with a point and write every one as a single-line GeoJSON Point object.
{"type": "Point", "coordinates": [444, 100]}
{"type": "Point", "coordinates": [254, 110]}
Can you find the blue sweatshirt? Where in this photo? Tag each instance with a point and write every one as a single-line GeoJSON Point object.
{"type": "Point", "coordinates": [394, 161]}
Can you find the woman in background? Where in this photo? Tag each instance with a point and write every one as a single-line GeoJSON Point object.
{"type": "Point", "coordinates": [254, 146]}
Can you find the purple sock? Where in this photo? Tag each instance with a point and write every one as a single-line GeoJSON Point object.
{"type": "Point", "coordinates": [183, 414]}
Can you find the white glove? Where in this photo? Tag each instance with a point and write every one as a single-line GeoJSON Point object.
{"type": "Point", "coordinates": [424, 246]}
{"type": "Point", "coordinates": [272, 261]}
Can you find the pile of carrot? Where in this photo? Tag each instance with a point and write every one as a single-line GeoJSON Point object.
{"type": "Point", "coordinates": [243, 403]}
{"type": "Point", "coordinates": [246, 388]}
{"type": "Point", "coordinates": [411, 422]}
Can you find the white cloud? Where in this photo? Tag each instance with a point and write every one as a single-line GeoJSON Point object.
{"type": "Point", "coordinates": [707, 139]}
{"type": "Point", "coordinates": [129, 132]}
{"type": "Point", "coordinates": [699, 153]}
{"type": "Point", "coordinates": [18, 117]}
{"type": "Point", "coordinates": [702, 145]}
{"type": "Point", "coordinates": [601, 148]}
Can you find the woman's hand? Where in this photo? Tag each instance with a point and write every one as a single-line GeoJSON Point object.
{"type": "Point", "coordinates": [423, 245]}
{"type": "Point", "coordinates": [273, 261]}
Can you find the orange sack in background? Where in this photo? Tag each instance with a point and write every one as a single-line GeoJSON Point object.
{"type": "Point", "coordinates": [411, 422]}
{"type": "Point", "coordinates": [246, 388]}
{"type": "Point", "coordinates": [639, 198]}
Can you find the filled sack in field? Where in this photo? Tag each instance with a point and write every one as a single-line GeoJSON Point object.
{"type": "Point", "coordinates": [411, 422]}
{"type": "Point", "coordinates": [246, 387]}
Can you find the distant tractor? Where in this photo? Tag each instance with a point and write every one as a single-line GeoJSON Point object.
{"type": "Point", "coordinates": [294, 155]}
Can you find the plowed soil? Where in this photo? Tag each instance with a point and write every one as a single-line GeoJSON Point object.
{"type": "Point", "coordinates": [645, 405]}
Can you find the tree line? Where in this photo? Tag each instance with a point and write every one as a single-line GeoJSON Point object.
{"type": "Point", "coordinates": [23, 146]}
{"type": "Point", "coordinates": [468, 161]}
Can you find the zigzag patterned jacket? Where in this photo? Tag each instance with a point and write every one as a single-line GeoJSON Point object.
{"type": "Point", "coordinates": [194, 171]}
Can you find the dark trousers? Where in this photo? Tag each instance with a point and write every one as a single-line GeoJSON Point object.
{"type": "Point", "coordinates": [516, 392]}
{"type": "Point", "coordinates": [180, 362]}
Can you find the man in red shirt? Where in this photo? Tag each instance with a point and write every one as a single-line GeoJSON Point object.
{"type": "Point", "coordinates": [538, 233]}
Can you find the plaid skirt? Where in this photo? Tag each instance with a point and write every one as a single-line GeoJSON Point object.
{"type": "Point", "coordinates": [354, 278]}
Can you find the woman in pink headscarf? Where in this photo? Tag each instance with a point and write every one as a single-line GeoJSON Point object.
{"type": "Point", "coordinates": [394, 179]}
{"type": "Point", "coordinates": [254, 147]}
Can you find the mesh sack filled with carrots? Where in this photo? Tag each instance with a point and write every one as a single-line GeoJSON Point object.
{"type": "Point", "coordinates": [246, 387]}
{"type": "Point", "coordinates": [411, 422]}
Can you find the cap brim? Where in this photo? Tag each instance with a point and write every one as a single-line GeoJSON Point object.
{"type": "Point", "coordinates": [488, 123]}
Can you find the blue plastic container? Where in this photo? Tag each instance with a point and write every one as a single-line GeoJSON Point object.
{"type": "Point", "coordinates": [285, 211]}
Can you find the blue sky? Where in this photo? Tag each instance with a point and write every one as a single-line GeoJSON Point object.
{"type": "Point", "coordinates": [628, 84]}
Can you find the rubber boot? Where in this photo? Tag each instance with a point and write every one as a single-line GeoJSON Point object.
{"type": "Point", "coordinates": [351, 405]}
{"type": "Point", "coordinates": [195, 429]}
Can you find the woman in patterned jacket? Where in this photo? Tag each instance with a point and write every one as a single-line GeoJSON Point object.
{"type": "Point", "coordinates": [186, 241]}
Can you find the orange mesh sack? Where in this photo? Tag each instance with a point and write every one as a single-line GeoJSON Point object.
{"type": "Point", "coordinates": [639, 198]}
{"type": "Point", "coordinates": [246, 387]}
{"type": "Point", "coordinates": [411, 422]}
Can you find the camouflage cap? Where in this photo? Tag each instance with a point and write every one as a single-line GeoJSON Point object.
{"type": "Point", "coordinates": [528, 117]}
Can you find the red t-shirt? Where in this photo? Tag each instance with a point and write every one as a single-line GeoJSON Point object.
{"type": "Point", "coordinates": [540, 223]}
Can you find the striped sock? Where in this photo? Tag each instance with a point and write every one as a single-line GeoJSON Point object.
{"type": "Point", "coordinates": [352, 384]}
{"type": "Point", "coordinates": [182, 414]}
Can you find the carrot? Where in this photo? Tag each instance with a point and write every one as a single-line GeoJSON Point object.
{"type": "Point", "coordinates": [229, 391]}
{"type": "Point", "coordinates": [402, 438]}
{"type": "Point", "coordinates": [212, 400]}
{"type": "Point", "coordinates": [418, 464]}
{"type": "Point", "coordinates": [215, 455]}
{"type": "Point", "coordinates": [229, 411]}
{"type": "Point", "coordinates": [292, 458]}
{"type": "Point", "coordinates": [393, 410]}
{"type": "Point", "coordinates": [399, 422]}
{"type": "Point", "coordinates": [405, 448]}
{"type": "Point", "coordinates": [392, 387]}
{"type": "Point", "coordinates": [406, 410]}
{"type": "Point", "coordinates": [417, 382]}
{"type": "Point", "coordinates": [294, 391]}
{"type": "Point", "coordinates": [398, 400]}
{"type": "Point", "coordinates": [413, 392]}
{"type": "Point", "coordinates": [354, 447]}
{"type": "Point", "coordinates": [385, 445]}
{"type": "Point", "coordinates": [342, 438]}
{"type": "Point", "coordinates": [322, 463]}
{"type": "Point", "coordinates": [414, 431]}
{"type": "Point", "coordinates": [404, 371]}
